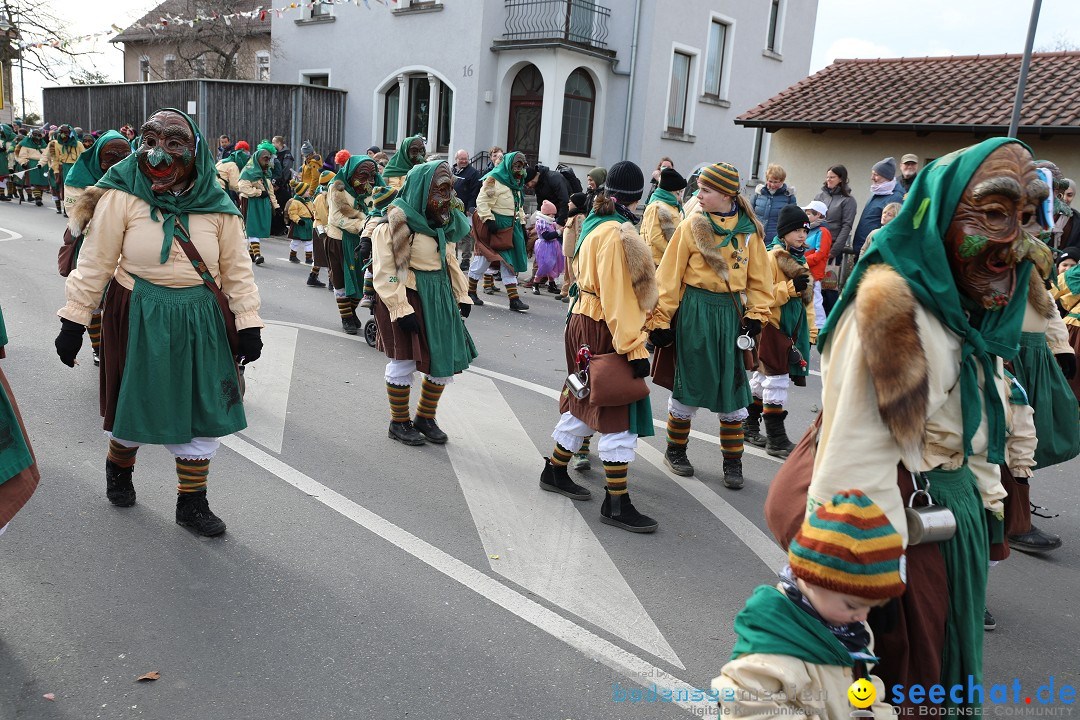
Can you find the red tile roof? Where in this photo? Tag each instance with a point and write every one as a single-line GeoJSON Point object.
{"type": "Point", "coordinates": [971, 93]}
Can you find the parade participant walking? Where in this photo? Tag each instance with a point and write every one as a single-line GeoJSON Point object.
{"type": "Point", "coordinates": [29, 154]}
{"type": "Point", "coordinates": [784, 346]}
{"type": "Point", "coordinates": [162, 233]}
{"type": "Point", "coordinates": [321, 214]}
{"type": "Point", "coordinates": [663, 213]}
{"type": "Point", "coordinates": [579, 209]}
{"type": "Point", "coordinates": [257, 199]}
{"type": "Point", "coordinates": [409, 154]}
{"type": "Point", "coordinates": [8, 138]}
{"type": "Point", "coordinates": [911, 361]}
{"type": "Point", "coordinates": [231, 166]}
{"type": "Point", "coordinates": [615, 292]}
{"type": "Point", "coordinates": [422, 299]}
{"type": "Point", "coordinates": [301, 227]}
{"type": "Point", "coordinates": [715, 256]}
{"type": "Point", "coordinates": [60, 155]}
{"type": "Point", "coordinates": [18, 468]}
{"type": "Point", "coordinates": [499, 227]}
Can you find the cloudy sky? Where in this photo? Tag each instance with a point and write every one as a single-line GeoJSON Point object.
{"type": "Point", "coordinates": [845, 29]}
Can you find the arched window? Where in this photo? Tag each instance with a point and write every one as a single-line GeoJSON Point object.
{"type": "Point", "coordinates": [579, 100]}
{"type": "Point", "coordinates": [526, 107]}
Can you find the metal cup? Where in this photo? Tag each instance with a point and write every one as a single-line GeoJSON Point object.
{"type": "Point", "coordinates": [745, 342]}
{"type": "Point", "coordinates": [578, 384]}
{"type": "Point", "coordinates": [929, 524]}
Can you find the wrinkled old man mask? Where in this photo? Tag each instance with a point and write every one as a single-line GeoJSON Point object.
{"type": "Point", "coordinates": [517, 167]}
{"type": "Point", "coordinates": [416, 151]}
{"type": "Point", "coordinates": [363, 176]}
{"type": "Point", "coordinates": [113, 152]}
{"type": "Point", "coordinates": [264, 159]}
{"type": "Point", "coordinates": [440, 197]}
{"type": "Point", "coordinates": [167, 152]}
{"type": "Point", "coordinates": [989, 232]}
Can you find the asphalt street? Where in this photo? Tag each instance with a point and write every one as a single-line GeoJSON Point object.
{"type": "Point", "coordinates": [360, 578]}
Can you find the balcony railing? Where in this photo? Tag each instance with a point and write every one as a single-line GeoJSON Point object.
{"type": "Point", "coordinates": [577, 22]}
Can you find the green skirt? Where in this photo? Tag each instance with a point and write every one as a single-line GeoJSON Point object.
{"type": "Point", "coordinates": [179, 380]}
{"type": "Point", "coordinates": [794, 324]}
{"type": "Point", "coordinates": [967, 556]}
{"type": "Point", "coordinates": [449, 342]}
{"type": "Point", "coordinates": [1057, 420]}
{"type": "Point", "coordinates": [259, 213]}
{"type": "Point", "coordinates": [37, 177]}
{"type": "Point", "coordinates": [517, 257]}
{"type": "Point", "coordinates": [14, 452]}
{"type": "Point", "coordinates": [354, 271]}
{"type": "Point", "coordinates": [709, 369]}
{"type": "Point", "coordinates": [302, 230]}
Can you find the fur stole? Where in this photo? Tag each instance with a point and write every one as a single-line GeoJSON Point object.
{"type": "Point", "coordinates": [83, 211]}
{"type": "Point", "coordinates": [667, 220]}
{"type": "Point", "coordinates": [343, 201]}
{"type": "Point", "coordinates": [1039, 297]}
{"type": "Point", "coordinates": [791, 269]}
{"type": "Point", "coordinates": [401, 237]}
{"type": "Point", "coordinates": [706, 244]}
{"type": "Point", "coordinates": [639, 262]}
{"type": "Point", "coordinates": [885, 311]}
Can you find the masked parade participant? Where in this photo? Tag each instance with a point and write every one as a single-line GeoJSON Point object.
{"type": "Point", "coordinates": [321, 213]}
{"type": "Point", "coordinates": [19, 474]}
{"type": "Point", "coordinates": [230, 167]}
{"type": "Point", "coordinates": [29, 154]}
{"type": "Point", "coordinates": [60, 155]}
{"type": "Point", "coordinates": [715, 257]}
{"type": "Point", "coordinates": [913, 396]}
{"type": "Point", "coordinates": [422, 298]}
{"type": "Point", "coordinates": [257, 199]}
{"type": "Point", "coordinates": [409, 154]}
{"type": "Point", "coordinates": [499, 226]}
{"type": "Point", "coordinates": [615, 293]}
{"type": "Point", "coordinates": [162, 234]}
{"type": "Point", "coordinates": [8, 138]}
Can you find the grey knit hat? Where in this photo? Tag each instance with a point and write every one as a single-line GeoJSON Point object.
{"type": "Point", "coordinates": [886, 168]}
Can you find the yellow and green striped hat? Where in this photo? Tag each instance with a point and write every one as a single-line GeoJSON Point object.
{"type": "Point", "coordinates": [326, 177]}
{"type": "Point", "coordinates": [381, 197]}
{"type": "Point", "coordinates": [722, 177]}
{"type": "Point", "coordinates": [849, 546]}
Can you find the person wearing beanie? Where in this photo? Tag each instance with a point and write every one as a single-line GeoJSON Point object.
{"type": "Point", "coordinates": [771, 197]}
{"type": "Point", "coordinates": [883, 190]}
{"type": "Point", "coordinates": [60, 154]}
{"type": "Point", "coordinates": [663, 213]}
{"type": "Point", "coordinates": [312, 166]}
{"type": "Point", "coordinates": [615, 293]}
{"type": "Point", "coordinates": [548, 184]}
{"type": "Point", "coordinates": [548, 261]}
{"type": "Point", "coordinates": [715, 258]}
{"type": "Point", "coordinates": [340, 158]}
{"type": "Point", "coordinates": [499, 227]}
{"type": "Point", "coordinates": [578, 210]}
{"type": "Point", "coordinates": [791, 327]}
{"type": "Point", "coordinates": [257, 199]}
{"type": "Point", "coordinates": [301, 226]}
{"type": "Point", "coordinates": [808, 633]}
{"type": "Point", "coordinates": [409, 154]}
{"type": "Point", "coordinates": [596, 179]}
{"type": "Point", "coordinates": [320, 216]}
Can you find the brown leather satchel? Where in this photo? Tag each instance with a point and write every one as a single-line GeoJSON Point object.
{"type": "Point", "coordinates": [501, 240]}
{"type": "Point", "coordinates": [65, 259]}
{"type": "Point", "coordinates": [785, 505]}
{"type": "Point", "coordinates": [612, 382]}
{"type": "Point", "coordinates": [188, 246]}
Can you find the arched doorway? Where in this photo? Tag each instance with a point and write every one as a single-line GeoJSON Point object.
{"type": "Point", "coordinates": [526, 107]}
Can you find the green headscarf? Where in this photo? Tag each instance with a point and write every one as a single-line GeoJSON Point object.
{"type": "Point", "coordinates": [7, 132]}
{"type": "Point", "coordinates": [203, 197]}
{"type": "Point", "coordinates": [238, 157]}
{"type": "Point", "coordinates": [503, 173]}
{"type": "Point", "coordinates": [29, 142]}
{"type": "Point", "coordinates": [413, 198]}
{"type": "Point", "coordinates": [73, 139]}
{"type": "Point", "coordinates": [253, 172]}
{"type": "Point", "coordinates": [399, 164]}
{"type": "Point", "coordinates": [87, 169]}
{"type": "Point", "coordinates": [913, 245]}
{"type": "Point", "coordinates": [771, 624]}
{"type": "Point", "coordinates": [349, 168]}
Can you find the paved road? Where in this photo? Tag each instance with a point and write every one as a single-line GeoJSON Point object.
{"type": "Point", "coordinates": [361, 578]}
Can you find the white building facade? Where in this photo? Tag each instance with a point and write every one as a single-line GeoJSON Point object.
{"type": "Point", "coordinates": [565, 81]}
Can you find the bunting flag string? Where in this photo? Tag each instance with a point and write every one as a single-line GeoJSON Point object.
{"type": "Point", "coordinates": [261, 14]}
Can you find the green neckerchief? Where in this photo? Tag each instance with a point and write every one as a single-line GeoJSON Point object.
{"type": "Point", "coordinates": [743, 226]}
{"type": "Point", "coordinates": [203, 197]}
{"type": "Point", "coordinates": [777, 242]}
{"type": "Point", "coordinates": [87, 169]}
{"type": "Point", "coordinates": [772, 624]}
{"type": "Point", "coordinates": [913, 245]}
{"type": "Point", "coordinates": [238, 157]}
{"type": "Point", "coordinates": [253, 172]}
{"type": "Point", "coordinates": [503, 174]}
{"type": "Point", "coordinates": [412, 200]}
{"type": "Point", "coordinates": [27, 142]}
{"type": "Point", "coordinates": [345, 173]}
{"type": "Point", "coordinates": [666, 196]}
{"type": "Point", "coordinates": [590, 224]}
{"type": "Point", "coordinates": [399, 164]}
{"type": "Point", "coordinates": [73, 139]}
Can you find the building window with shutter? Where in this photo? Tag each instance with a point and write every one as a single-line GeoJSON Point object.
{"type": "Point", "coordinates": [262, 66]}
{"type": "Point", "coordinates": [170, 67]}
{"type": "Point", "coordinates": [678, 89]}
{"type": "Point", "coordinates": [144, 69]}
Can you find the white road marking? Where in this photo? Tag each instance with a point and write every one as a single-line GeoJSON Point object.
{"type": "Point", "coordinates": [11, 235]}
{"type": "Point", "coordinates": [636, 669]}
{"type": "Point", "coordinates": [266, 400]}
{"type": "Point", "coordinates": [541, 540]}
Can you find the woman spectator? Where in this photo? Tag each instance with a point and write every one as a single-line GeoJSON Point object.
{"type": "Point", "coordinates": [495, 156]}
{"type": "Point", "coordinates": [883, 190]}
{"type": "Point", "coordinates": [840, 219]}
{"type": "Point", "coordinates": [772, 197]}
{"type": "Point", "coordinates": [665, 162]}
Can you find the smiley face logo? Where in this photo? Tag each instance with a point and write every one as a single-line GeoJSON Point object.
{"type": "Point", "coordinates": [862, 693]}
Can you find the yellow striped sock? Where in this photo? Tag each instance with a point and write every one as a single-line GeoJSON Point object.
{"type": "Point", "coordinates": [771, 409]}
{"type": "Point", "coordinates": [429, 399]}
{"type": "Point", "coordinates": [255, 247]}
{"type": "Point", "coordinates": [369, 284]}
{"type": "Point", "coordinates": [511, 291]}
{"type": "Point", "coordinates": [94, 330]}
{"type": "Point", "coordinates": [344, 307]}
{"type": "Point", "coordinates": [616, 477]}
{"type": "Point", "coordinates": [472, 286]}
{"type": "Point", "coordinates": [584, 449]}
{"type": "Point", "coordinates": [192, 475]}
{"type": "Point", "coordinates": [731, 439]}
{"type": "Point", "coordinates": [489, 282]}
{"type": "Point", "coordinates": [560, 455]}
{"type": "Point", "coordinates": [678, 430]}
{"type": "Point", "coordinates": [121, 456]}
{"type": "Point", "coordinates": [399, 402]}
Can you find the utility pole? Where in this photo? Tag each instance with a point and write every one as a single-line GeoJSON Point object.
{"type": "Point", "coordinates": [1014, 124]}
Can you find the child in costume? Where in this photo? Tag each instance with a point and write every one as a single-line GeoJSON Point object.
{"type": "Point", "coordinates": [547, 253]}
{"type": "Point", "coordinates": [301, 219]}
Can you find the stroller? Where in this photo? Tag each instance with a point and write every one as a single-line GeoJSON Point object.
{"type": "Point", "coordinates": [371, 328]}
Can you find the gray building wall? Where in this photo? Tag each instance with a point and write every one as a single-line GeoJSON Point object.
{"type": "Point", "coordinates": [454, 43]}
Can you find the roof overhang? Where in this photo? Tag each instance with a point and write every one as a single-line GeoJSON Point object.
{"type": "Point", "coordinates": [922, 128]}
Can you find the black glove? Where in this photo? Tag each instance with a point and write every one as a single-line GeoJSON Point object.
{"type": "Point", "coordinates": [800, 282]}
{"type": "Point", "coordinates": [250, 344]}
{"type": "Point", "coordinates": [662, 337]}
{"type": "Point", "coordinates": [69, 341]}
{"type": "Point", "coordinates": [640, 367]}
{"type": "Point", "coordinates": [751, 327]}
{"type": "Point", "coordinates": [409, 324]}
{"type": "Point", "coordinates": [492, 228]}
{"type": "Point", "coordinates": [363, 250]}
{"type": "Point", "coordinates": [549, 235]}
{"type": "Point", "coordinates": [465, 309]}
{"type": "Point", "coordinates": [1067, 363]}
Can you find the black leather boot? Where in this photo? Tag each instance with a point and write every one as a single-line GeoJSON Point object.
{"type": "Point", "coordinates": [733, 477]}
{"type": "Point", "coordinates": [193, 512]}
{"type": "Point", "coordinates": [475, 299]}
{"type": "Point", "coordinates": [429, 429]}
{"type": "Point", "coordinates": [776, 440]}
{"type": "Point", "coordinates": [118, 486]}
{"type": "Point", "coordinates": [1035, 541]}
{"type": "Point", "coordinates": [752, 427]}
{"type": "Point", "coordinates": [555, 479]}
{"type": "Point", "coordinates": [676, 460]}
{"type": "Point", "coordinates": [405, 433]}
{"type": "Point", "coordinates": [517, 305]}
{"type": "Point", "coordinates": [617, 510]}
{"type": "Point", "coordinates": [348, 324]}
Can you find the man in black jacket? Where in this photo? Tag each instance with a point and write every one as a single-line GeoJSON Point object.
{"type": "Point", "coordinates": [549, 185]}
{"type": "Point", "coordinates": [467, 187]}
{"type": "Point", "coordinates": [281, 175]}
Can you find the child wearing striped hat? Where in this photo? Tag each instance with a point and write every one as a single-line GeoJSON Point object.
{"type": "Point", "coordinates": [801, 644]}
